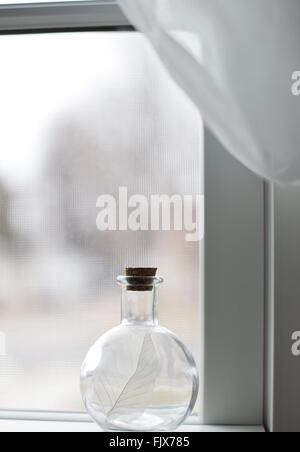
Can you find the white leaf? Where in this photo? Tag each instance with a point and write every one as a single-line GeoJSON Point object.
{"type": "Point", "coordinates": [137, 392]}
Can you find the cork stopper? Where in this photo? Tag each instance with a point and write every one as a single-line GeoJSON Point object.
{"type": "Point", "coordinates": [138, 271]}
{"type": "Point", "coordinates": [141, 278]}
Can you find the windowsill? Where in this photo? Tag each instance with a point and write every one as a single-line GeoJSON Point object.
{"type": "Point", "coordinates": [20, 426]}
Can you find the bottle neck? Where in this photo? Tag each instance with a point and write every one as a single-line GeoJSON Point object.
{"type": "Point", "coordinates": [139, 307]}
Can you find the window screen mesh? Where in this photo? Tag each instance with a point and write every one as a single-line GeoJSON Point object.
{"type": "Point", "coordinates": [81, 115]}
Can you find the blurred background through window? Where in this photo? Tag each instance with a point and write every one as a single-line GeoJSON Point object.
{"type": "Point", "coordinates": [82, 114]}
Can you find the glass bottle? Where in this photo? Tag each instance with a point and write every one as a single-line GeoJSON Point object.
{"type": "Point", "coordinates": [139, 376]}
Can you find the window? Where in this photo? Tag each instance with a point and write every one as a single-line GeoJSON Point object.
{"type": "Point", "coordinates": [81, 115]}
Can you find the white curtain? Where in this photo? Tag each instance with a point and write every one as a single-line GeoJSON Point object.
{"type": "Point", "coordinates": [241, 80]}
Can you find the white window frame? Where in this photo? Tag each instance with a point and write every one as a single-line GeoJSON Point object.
{"type": "Point", "coordinates": [234, 290]}
{"type": "Point", "coordinates": [225, 381]}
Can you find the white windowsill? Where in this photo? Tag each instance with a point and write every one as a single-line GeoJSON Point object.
{"type": "Point", "coordinates": [18, 421]}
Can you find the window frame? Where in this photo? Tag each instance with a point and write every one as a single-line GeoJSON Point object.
{"type": "Point", "coordinates": [235, 282]}
{"type": "Point", "coordinates": [62, 17]}
{"type": "Point", "coordinates": [106, 15]}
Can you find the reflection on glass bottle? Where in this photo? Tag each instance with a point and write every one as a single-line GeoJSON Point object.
{"type": "Point", "coordinates": [139, 376]}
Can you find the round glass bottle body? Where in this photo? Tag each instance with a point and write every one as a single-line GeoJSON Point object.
{"type": "Point", "coordinates": [139, 376]}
